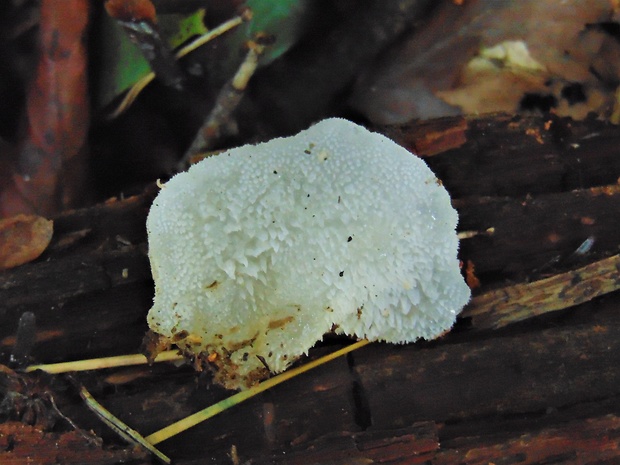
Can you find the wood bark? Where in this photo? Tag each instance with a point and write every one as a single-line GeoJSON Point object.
{"type": "Point", "coordinates": [540, 386]}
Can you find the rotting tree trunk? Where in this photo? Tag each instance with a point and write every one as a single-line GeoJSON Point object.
{"type": "Point", "coordinates": [534, 390]}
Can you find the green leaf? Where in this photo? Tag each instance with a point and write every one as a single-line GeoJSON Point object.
{"type": "Point", "coordinates": [122, 64]}
{"type": "Point", "coordinates": [282, 19]}
{"type": "Point", "coordinates": [178, 29]}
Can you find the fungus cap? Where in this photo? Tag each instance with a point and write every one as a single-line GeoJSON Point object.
{"type": "Point", "coordinates": [258, 252]}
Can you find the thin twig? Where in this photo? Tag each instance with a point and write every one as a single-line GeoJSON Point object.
{"type": "Point", "coordinates": [227, 101]}
{"type": "Point", "coordinates": [501, 307]}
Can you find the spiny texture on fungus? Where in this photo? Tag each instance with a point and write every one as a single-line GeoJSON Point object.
{"type": "Point", "coordinates": [258, 252]}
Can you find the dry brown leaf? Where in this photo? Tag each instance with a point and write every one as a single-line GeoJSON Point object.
{"type": "Point", "coordinates": [48, 172]}
{"type": "Point", "coordinates": [23, 238]}
{"type": "Point", "coordinates": [490, 56]}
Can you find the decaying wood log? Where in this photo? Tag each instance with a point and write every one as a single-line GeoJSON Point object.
{"type": "Point", "coordinates": [27, 444]}
{"type": "Point", "coordinates": [530, 373]}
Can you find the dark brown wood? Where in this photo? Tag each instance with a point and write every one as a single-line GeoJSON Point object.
{"type": "Point", "coordinates": [298, 89]}
{"type": "Point", "coordinates": [594, 440]}
{"type": "Point", "coordinates": [515, 156]}
{"type": "Point", "coordinates": [85, 303]}
{"type": "Point", "coordinates": [541, 390]}
{"type": "Point", "coordinates": [535, 235]}
{"type": "Point", "coordinates": [415, 444]}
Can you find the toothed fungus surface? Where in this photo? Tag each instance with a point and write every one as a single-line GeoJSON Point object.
{"type": "Point", "coordinates": [258, 252]}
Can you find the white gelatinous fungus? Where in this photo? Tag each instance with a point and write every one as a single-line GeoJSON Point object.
{"type": "Point", "coordinates": [258, 252]}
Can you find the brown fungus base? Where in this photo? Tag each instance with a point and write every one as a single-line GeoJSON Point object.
{"type": "Point", "coordinates": [215, 359]}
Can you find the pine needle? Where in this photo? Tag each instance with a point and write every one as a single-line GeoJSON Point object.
{"type": "Point", "coordinates": [209, 412]}
{"type": "Point", "coordinates": [106, 362]}
{"type": "Point", "coordinates": [123, 430]}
